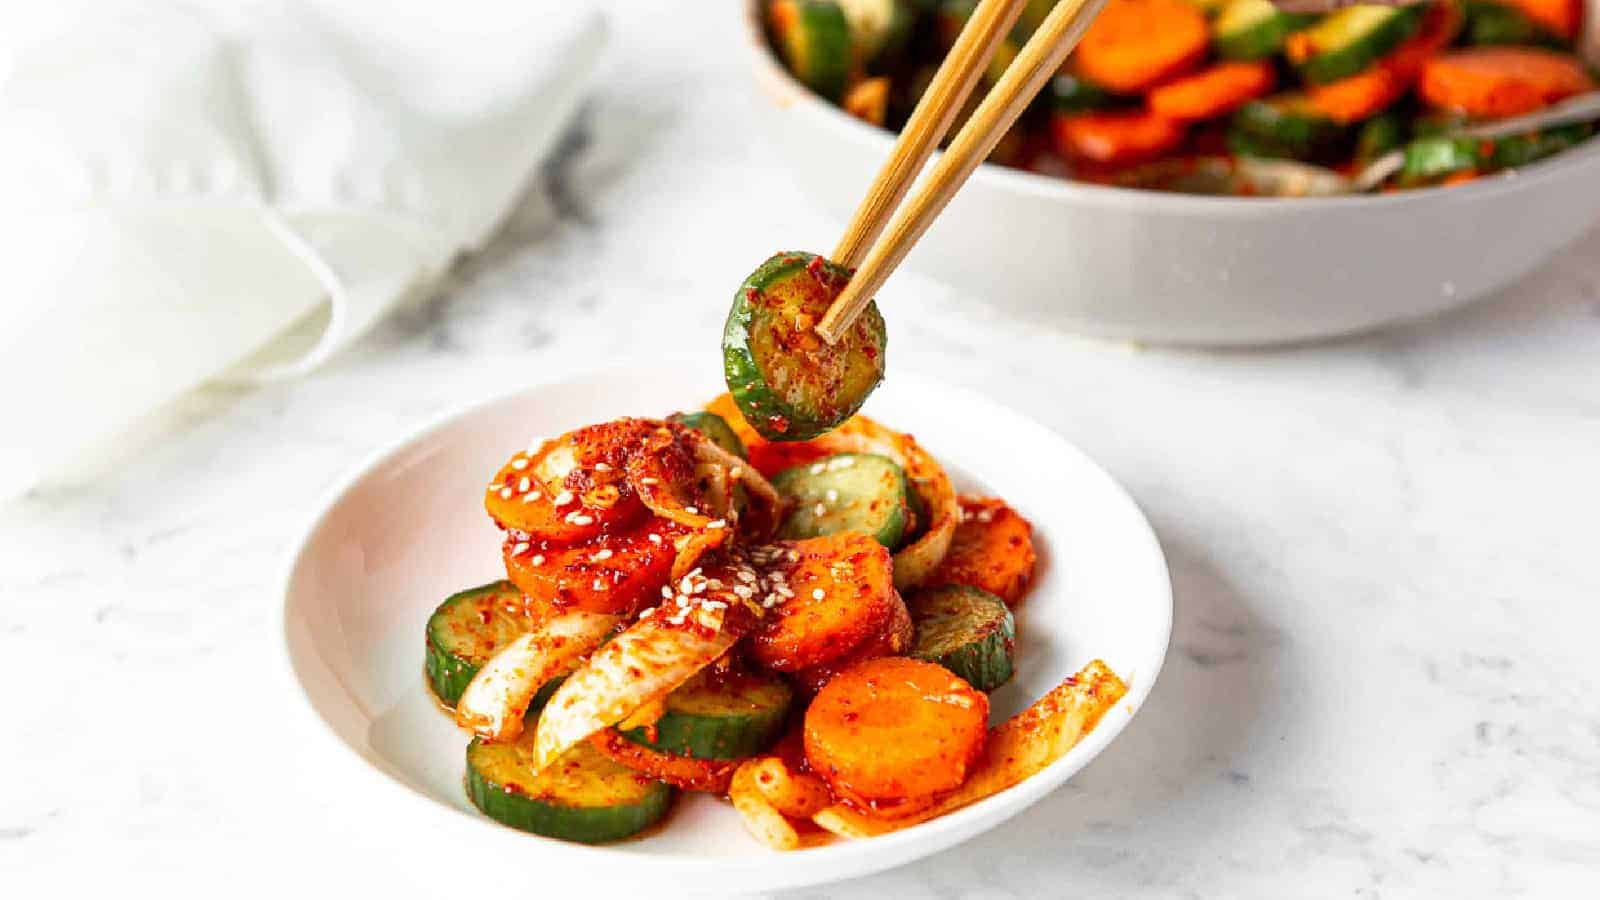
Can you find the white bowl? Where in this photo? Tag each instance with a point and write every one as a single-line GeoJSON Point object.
{"type": "Point", "coordinates": [1171, 268]}
{"type": "Point", "coordinates": [408, 528]}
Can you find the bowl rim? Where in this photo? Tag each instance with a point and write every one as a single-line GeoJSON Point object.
{"type": "Point", "coordinates": [818, 866]}
{"type": "Point", "coordinates": [787, 91]}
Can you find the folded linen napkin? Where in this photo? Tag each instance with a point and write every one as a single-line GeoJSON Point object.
{"type": "Point", "coordinates": [185, 191]}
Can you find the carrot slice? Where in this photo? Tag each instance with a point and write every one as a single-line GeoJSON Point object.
{"type": "Point", "coordinates": [1563, 18]}
{"type": "Point", "coordinates": [1368, 93]}
{"type": "Point", "coordinates": [1212, 91]}
{"type": "Point", "coordinates": [1496, 82]}
{"type": "Point", "coordinates": [1115, 138]}
{"type": "Point", "coordinates": [840, 592]}
{"type": "Point", "coordinates": [992, 550]}
{"type": "Point", "coordinates": [1134, 44]}
{"type": "Point", "coordinates": [889, 735]}
{"type": "Point", "coordinates": [890, 640]}
{"type": "Point", "coordinates": [612, 574]}
{"type": "Point", "coordinates": [708, 775]}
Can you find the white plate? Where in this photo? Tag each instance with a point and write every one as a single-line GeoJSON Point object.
{"type": "Point", "coordinates": [409, 528]}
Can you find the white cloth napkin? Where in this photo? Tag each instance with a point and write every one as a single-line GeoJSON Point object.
{"type": "Point", "coordinates": [190, 193]}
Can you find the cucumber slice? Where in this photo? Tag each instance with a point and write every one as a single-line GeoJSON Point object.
{"type": "Point", "coordinates": [1489, 23]}
{"type": "Point", "coordinates": [846, 492]}
{"type": "Point", "coordinates": [813, 36]}
{"type": "Point", "coordinates": [714, 427]}
{"type": "Point", "coordinates": [582, 797]}
{"type": "Point", "coordinates": [466, 631]}
{"type": "Point", "coordinates": [1521, 149]}
{"type": "Point", "coordinates": [790, 384]}
{"type": "Point", "coordinates": [1349, 40]}
{"type": "Point", "coordinates": [969, 631]}
{"type": "Point", "coordinates": [1286, 126]}
{"type": "Point", "coordinates": [1070, 94]}
{"type": "Point", "coordinates": [727, 715]}
{"type": "Point", "coordinates": [1429, 159]}
{"type": "Point", "coordinates": [1379, 135]}
{"type": "Point", "coordinates": [1254, 29]}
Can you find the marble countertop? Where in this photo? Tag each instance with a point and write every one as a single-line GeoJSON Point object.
{"type": "Point", "coordinates": [1383, 674]}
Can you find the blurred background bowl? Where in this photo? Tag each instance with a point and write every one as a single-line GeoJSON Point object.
{"type": "Point", "coordinates": [1201, 270]}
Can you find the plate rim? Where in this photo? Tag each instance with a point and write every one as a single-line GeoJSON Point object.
{"type": "Point", "coordinates": [810, 866]}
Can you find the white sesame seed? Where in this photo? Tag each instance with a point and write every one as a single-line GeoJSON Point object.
{"type": "Point", "coordinates": [818, 594]}
{"type": "Point", "coordinates": [531, 496]}
{"type": "Point", "coordinates": [820, 509]}
{"type": "Point", "coordinates": [743, 590]}
{"type": "Point", "coordinates": [817, 468]}
{"type": "Point", "coordinates": [519, 463]}
{"type": "Point", "coordinates": [735, 473]}
{"type": "Point", "coordinates": [843, 462]}
{"type": "Point", "coordinates": [720, 523]}
{"type": "Point", "coordinates": [563, 498]}
{"type": "Point", "coordinates": [538, 559]}
{"type": "Point", "coordinates": [832, 496]}
{"type": "Point", "coordinates": [692, 510]}
{"type": "Point", "coordinates": [666, 592]}
{"type": "Point", "coordinates": [520, 549]}
{"type": "Point", "coordinates": [601, 556]}
{"type": "Point", "coordinates": [505, 493]}
{"type": "Point", "coordinates": [649, 482]}
{"type": "Point", "coordinates": [599, 585]}
{"type": "Point", "coordinates": [602, 467]}
{"type": "Point", "coordinates": [580, 519]}
{"type": "Point", "coordinates": [655, 538]}
{"type": "Point", "coordinates": [524, 484]}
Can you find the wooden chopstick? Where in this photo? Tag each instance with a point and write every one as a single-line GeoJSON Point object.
{"type": "Point", "coordinates": [1039, 60]}
{"type": "Point", "coordinates": [989, 24]}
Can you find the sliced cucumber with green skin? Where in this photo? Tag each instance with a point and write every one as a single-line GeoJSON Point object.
{"type": "Point", "coordinates": [1521, 149]}
{"type": "Point", "coordinates": [1379, 135]}
{"type": "Point", "coordinates": [1254, 29]}
{"type": "Point", "coordinates": [466, 631]}
{"type": "Point", "coordinates": [582, 797]}
{"type": "Point", "coordinates": [1349, 40]}
{"type": "Point", "coordinates": [714, 427]}
{"type": "Point", "coordinates": [1286, 126]}
{"type": "Point", "coordinates": [1491, 23]}
{"type": "Point", "coordinates": [729, 715]}
{"type": "Point", "coordinates": [813, 37]}
{"type": "Point", "coordinates": [846, 492]}
{"type": "Point", "coordinates": [969, 631]}
{"type": "Point", "coordinates": [789, 383]}
{"type": "Point", "coordinates": [1070, 94]}
{"type": "Point", "coordinates": [1429, 159]}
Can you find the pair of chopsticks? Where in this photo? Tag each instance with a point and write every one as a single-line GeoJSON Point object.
{"type": "Point", "coordinates": [1038, 62]}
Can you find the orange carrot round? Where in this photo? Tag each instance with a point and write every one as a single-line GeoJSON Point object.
{"type": "Point", "coordinates": [891, 734]}
{"type": "Point", "coordinates": [1496, 82]}
{"type": "Point", "coordinates": [841, 593]}
{"type": "Point", "coordinates": [992, 550]}
{"type": "Point", "coordinates": [1115, 138]}
{"type": "Point", "coordinates": [1134, 44]}
{"type": "Point", "coordinates": [613, 574]}
{"type": "Point", "coordinates": [1212, 91]}
{"type": "Point", "coordinates": [891, 640]}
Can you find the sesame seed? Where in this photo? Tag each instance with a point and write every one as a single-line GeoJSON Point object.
{"type": "Point", "coordinates": [843, 462]}
{"type": "Point", "coordinates": [720, 523]}
{"type": "Point", "coordinates": [735, 472]}
{"type": "Point", "coordinates": [505, 493]}
{"type": "Point", "coordinates": [531, 496]}
{"type": "Point", "coordinates": [602, 467]}
{"type": "Point", "coordinates": [520, 549]}
{"type": "Point", "coordinates": [817, 468]}
{"type": "Point", "coordinates": [818, 594]}
{"type": "Point", "coordinates": [666, 592]}
{"type": "Point", "coordinates": [832, 496]}
{"type": "Point", "coordinates": [582, 520]}
{"type": "Point", "coordinates": [519, 463]}
{"type": "Point", "coordinates": [538, 559]}
{"type": "Point", "coordinates": [655, 538]}
{"type": "Point", "coordinates": [692, 510]}
{"type": "Point", "coordinates": [820, 509]}
{"type": "Point", "coordinates": [601, 556]}
{"type": "Point", "coordinates": [563, 498]}
{"type": "Point", "coordinates": [524, 484]}
{"type": "Point", "coordinates": [648, 482]}
{"type": "Point", "coordinates": [744, 591]}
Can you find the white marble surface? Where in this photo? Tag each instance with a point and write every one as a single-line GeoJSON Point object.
{"type": "Point", "coordinates": [1383, 676]}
